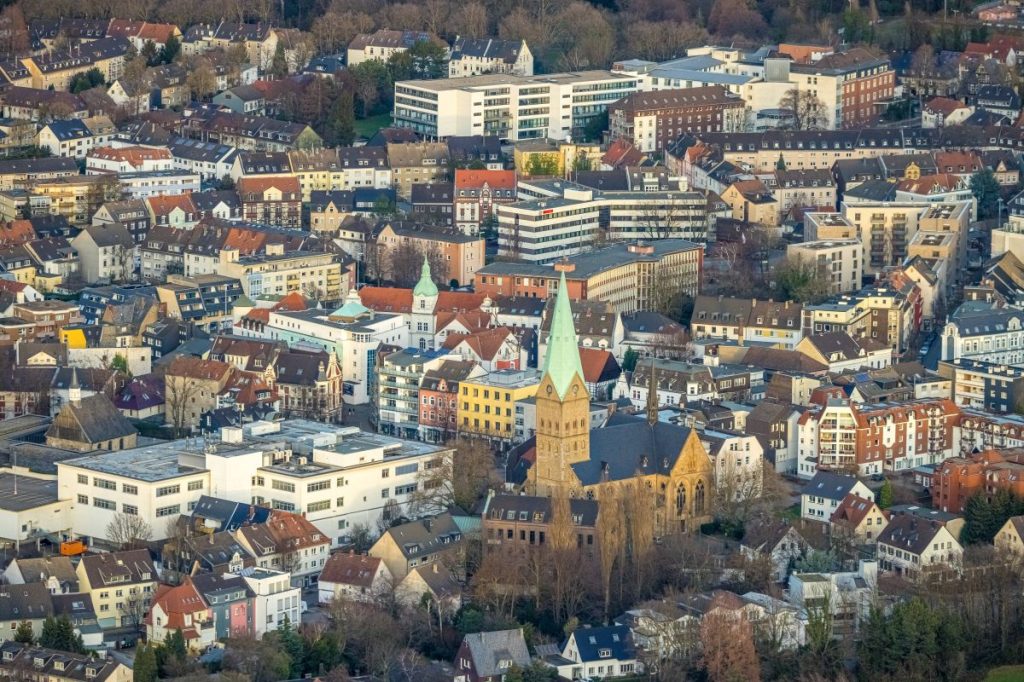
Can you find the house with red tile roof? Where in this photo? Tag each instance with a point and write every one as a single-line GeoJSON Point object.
{"type": "Point", "coordinates": [354, 577]}
{"type": "Point", "coordinates": [132, 159]}
{"type": "Point", "coordinates": [944, 111]}
{"type": "Point", "coordinates": [191, 387]}
{"type": "Point", "coordinates": [476, 194]}
{"type": "Point", "coordinates": [858, 518]}
{"type": "Point", "coordinates": [600, 372]}
{"type": "Point", "coordinates": [16, 233]}
{"type": "Point", "coordinates": [622, 153]}
{"type": "Point", "coordinates": [493, 349]}
{"type": "Point", "coordinates": [271, 200]}
{"type": "Point", "coordinates": [180, 608]}
{"type": "Point", "coordinates": [176, 210]}
{"type": "Point", "coordinates": [287, 542]}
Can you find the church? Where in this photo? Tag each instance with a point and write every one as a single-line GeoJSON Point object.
{"type": "Point", "coordinates": [569, 456]}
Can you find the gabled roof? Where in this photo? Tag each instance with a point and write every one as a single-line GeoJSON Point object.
{"type": "Point", "coordinates": [910, 533]}
{"type": "Point", "coordinates": [852, 510]}
{"type": "Point", "coordinates": [485, 344]}
{"type": "Point", "coordinates": [347, 568]}
{"type": "Point", "coordinates": [615, 638]}
{"type": "Point", "coordinates": [829, 485]}
{"type": "Point", "coordinates": [97, 418]}
{"type": "Point", "coordinates": [598, 365]}
{"type": "Point", "coordinates": [119, 568]}
{"type": "Point", "coordinates": [493, 653]}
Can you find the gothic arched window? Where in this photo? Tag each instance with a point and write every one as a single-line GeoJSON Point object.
{"type": "Point", "coordinates": [680, 499]}
{"type": "Point", "coordinates": [698, 498]}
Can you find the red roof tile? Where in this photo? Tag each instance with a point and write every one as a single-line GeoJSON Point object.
{"type": "Point", "coordinates": [496, 179]}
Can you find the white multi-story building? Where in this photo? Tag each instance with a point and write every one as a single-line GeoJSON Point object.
{"type": "Point", "coordinates": [840, 260]}
{"type": "Point", "coordinates": [558, 218]}
{"type": "Point", "coordinates": [275, 599]}
{"type": "Point", "coordinates": [336, 476]}
{"type": "Point", "coordinates": [157, 183]}
{"type": "Point", "coordinates": [993, 334]}
{"type": "Point", "coordinates": [555, 105]}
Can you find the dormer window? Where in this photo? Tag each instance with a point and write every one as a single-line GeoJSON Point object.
{"type": "Point", "coordinates": [604, 653]}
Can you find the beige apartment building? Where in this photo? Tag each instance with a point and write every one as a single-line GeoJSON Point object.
{"type": "Point", "coordinates": [953, 219]}
{"type": "Point", "coordinates": [885, 230]}
{"type": "Point", "coordinates": [826, 226]}
{"type": "Point", "coordinates": [839, 260]}
{"type": "Point", "coordinates": [276, 273]}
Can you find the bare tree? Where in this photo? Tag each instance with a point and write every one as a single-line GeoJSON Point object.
{"type": "Point", "coordinates": [639, 506]}
{"type": "Point", "coordinates": [809, 112]}
{"type": "Point", "coordinates": [128, 531]}
{"type": "Point", "coordinates": [180, 393]}
{"type": "Point", "coordinates": [611, 531]}
{"type": "Point", "coordinates": [566, 585]}
{"type": "Point", "coordinates": [132, 610]}
{"type": "Point", "coordinates": [728, 643]}
{"type": "Point", "coordinates": [461, 477]}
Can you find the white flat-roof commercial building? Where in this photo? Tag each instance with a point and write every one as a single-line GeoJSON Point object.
{"type": "Point", "coordinates": [510, 107]}
{"type": "Point", "coordinates": [561, 218]}
{"type": "Point", "coordinates": [336, 476]}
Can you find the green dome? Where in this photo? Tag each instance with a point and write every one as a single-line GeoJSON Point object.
{"type": "Point", "coordinates": [426, 286]}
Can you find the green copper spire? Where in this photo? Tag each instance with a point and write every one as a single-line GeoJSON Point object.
{"type": "Point", "coordinates": [426, 286]}
{"type": "Point", "coordinates": [563, 358]}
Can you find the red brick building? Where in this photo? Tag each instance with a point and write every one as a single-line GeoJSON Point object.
{"type": "Point", "coordinates": [271, 200]}
{"type": "Point", "coordinates": [959, 478]}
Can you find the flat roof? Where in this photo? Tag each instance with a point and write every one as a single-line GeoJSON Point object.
{"type": "Point", "coordinates": [31, 492]}
{"type": "Point", "coordinates": [153, 463]}
{"type": "Point", "coordinates": [496, 79]}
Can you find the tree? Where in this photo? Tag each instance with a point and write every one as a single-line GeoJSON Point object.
{"type": "Point", "coordinates": [201, 80]}
{"type": "Point", "coordinates": [728, 642]}
{"type": "Point", "coordinates": [23, 634]}
{"type": "Point", "coordinates": [262, 660]}
{"type": "Point", "coordinates": [85, 81]}
{"type": "Point", "coordinates": [169, 52]}
{"type": "Point", "coordinates": [425, 59]}
{"type": "Point", "coordinates": [144, 668]}
{"type": "Point", "coordinates": [611, 538]}
{"type": "Point", "coordinates": [132, 610]}
{"type": "Point", "coordinates": [292, 644]}
{"type": "Point", "coordinates": [801, 281]}
{"type": "Point", "coordinates": [128, 531]}
{"type": "Point", "coordinates": [174, 645]}
{"type": "Point", "coordinates": [279, 63]}
{"type": "Point", "coordinates": [180, 393]}
{"type": "Point", "coordinates": [809, 112]}
{"type": "Point", "coordinates": [885, 495]}
{"type": "Point", "coordinates": [58, 633]}
{"type": "Point", "coordinates": [461, 478]}
{"type": "Point", "coordinates": [340, 128]}
{"type": "Point", "coordinates": [14, 35]}
{"type": "Point", "coordinates": [542, 164]}
{"type": "Point", "coordinates": [629, 359]}
{"type": "Point", "coordinates": [856, 26]}
{"type": "Point", "coordinates": [587, 39]}
{"type": "Point", "coordinates": [985, 188]}
{"type": "Point", "coordinates": [984, 516]}
{"type": "Point", "coordinates": [736, 17]}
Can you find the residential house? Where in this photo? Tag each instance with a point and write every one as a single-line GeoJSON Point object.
{"type": "Point", "coordinates": [916, 548]}
{"type": "Point", "coordinates": [271, 201]}
{"type": "Point", "coordinates": [381, 44]}
{"type": "Point", "coordinates": [781, 541]}
{"type": "Point", "coordinates": [475, 56]}
{"type": "Point", "coordinates": [288, 542]}
{"type": "Point", "coordinates": [418, 543]}
{"type": "Point", "coordinates": [181, 609]}
{"type": "Point", "coordinates": [598, 652]}
{"type": "Point", "coordinates": [859, 519]}
{"type": "Point", "coordinates": [415, 163]}
{"type": "Point", "coordinates": [105, 252]}
{"type": "Point", "coordinates": [489, 656]}
{"type": "Point", "coordinates": [92, 423]}
{"type": "Point", "coordinates": [231, 601]}
{"type": "Point", "coordinates": [34, 662]}
{"type": "Point", "coordinates": [355, 577]}
{"type": "Point", "coordinates": [121, 585]}
{"type": "Point", "coordinates": [823, 494]}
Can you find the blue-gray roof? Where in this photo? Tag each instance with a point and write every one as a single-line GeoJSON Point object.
{"type": "Point", "coordinates": [631, 447]}
{"type": "Point", "coordinates": [614, 638]}
{"type": "Point", "coordinates": [829, 485]}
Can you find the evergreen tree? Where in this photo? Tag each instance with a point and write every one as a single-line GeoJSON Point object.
{"type": "Point", "coordinates": [150, 52]}
{"type": "Point", "coordinates": [279, 64]}
{"type": "Point", "coordinates": [175, 645]}
{"type": "Point", "coordinates": [145, 668]}
{"type": "Point", "coordinates": [885, 495]}
{"type": "Point", "coordinates": [340, 128]}
{"type": "Point", "coordinates": [24, 633]}
{"type": "Point", "coordinates": [293, 645]}
{"type": "Point", "coordinates": [629, 360]}
{"type": "Point", "coordinates": [169, 52]}
{"type": "Point", "coordinates": [49, 637]}
{"type": "Point", "coordinates": [985, 189]}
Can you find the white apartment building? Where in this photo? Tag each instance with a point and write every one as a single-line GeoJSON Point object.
{"type": "Point", "coordinates": [336, 476]}
{"type": "Point", "coordinates": [158, 183]}
{"type": "Point", "coordinates": [275, 599]}
{"type": "Point", "coordinates": [511, 107]}
{"type": "Point", "coordinates": [992, 334]}
{"type": "Point", "coordinates": [560, 218]}
{"type": "Point", "coordinates": [352, 333]}
{"type": "Point", "coordinates": [212, 161]}
{"type": "Point", "coordinates": [839, 260]}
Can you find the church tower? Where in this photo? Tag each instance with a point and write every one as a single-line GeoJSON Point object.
{"type": "Point", "coordinates": [424, 300]}
{"type": "Point", "coordinates": [563, 405]}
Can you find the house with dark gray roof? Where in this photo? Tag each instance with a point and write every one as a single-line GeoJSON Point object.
{"type": "Point", "coordinates": [601, 652]}
{"type": "Point", "coordinates": [488, 656]}
{"type": "Point", "coordinates": [475, 56]}
{"type": "Point", "coordinates": [913, 547]}
{"type": "Point", "coordinates": [29, 603]}
{"type": "Point", "coordinates": [822, 495]}
{"type": "Point", "coordinates": [424, 541]}
{"type": "Point", "coordinates": [91, 423]}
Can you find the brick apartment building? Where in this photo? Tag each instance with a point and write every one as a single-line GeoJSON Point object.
{"type": "Point", "coordinates": [271, 200]}
{"type": "Point", "coordinates": [959, 478]}
{"type": "Point", "coordinates": [652, 120]}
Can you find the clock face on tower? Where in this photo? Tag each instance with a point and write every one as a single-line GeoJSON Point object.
{"type": "Point", "coordinates": [549, 389]}
{"type": "Point", "coordinates": [575, 389]}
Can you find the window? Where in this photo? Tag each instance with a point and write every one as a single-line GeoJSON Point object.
{"type": "Point", "coordinates": [104, 483]}
{"type": "Point", "coordinates": [384, 473]}
{"type": "Point", "coordinates": [318, 506]}
{"type": "Point", "coordinates": [168, 490]}
{"type": "Point", "coordinates": [319, 485]}
{"type": "Point", "coordinates": [168, 511]}
{"type": "Point", "coordinates": [103, 504]}
{"type": "Point", "coordinates": [282, 485]}
{"type": "Point", "coordinates": [406, 469]}
{"type": "Point", "coordinates": [341, 502]}
{"type": "Point", "coordinates": [384, 494]}
{"type": "Point", "coordinates": [83, 499]}
{"type": "Point", "coordinates": [283, 506]}
{"type": "Point", "coordinates": [130, 509]}
{"type": "Point", "coordinates": [195, 485]}
{"type": "Point", "coordinates": [405, 489]}
{"type": "Point", "coordinates": [129, 489]}
{"type": "Point", "coordinates": [83, 479]}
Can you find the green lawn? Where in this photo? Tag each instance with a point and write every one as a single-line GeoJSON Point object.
{"type": "Point", "coordinates": [1007, 673]}
{"type": "Point", "coordinates": [368, 127]}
